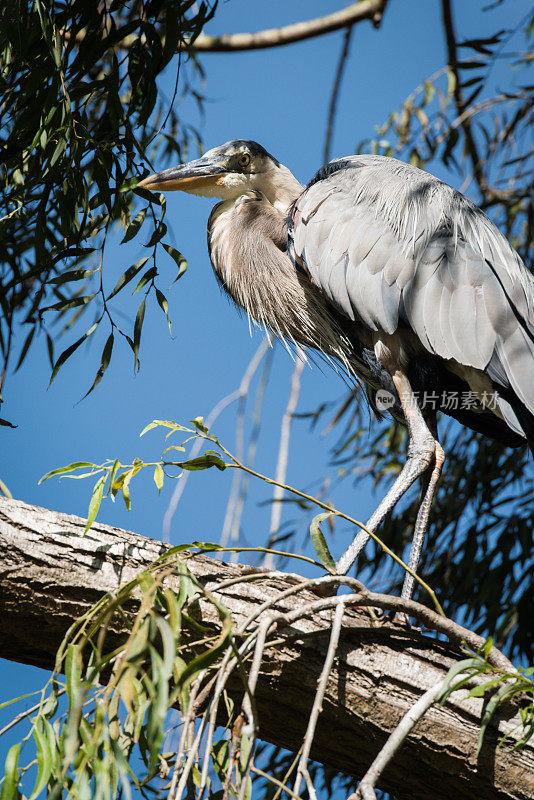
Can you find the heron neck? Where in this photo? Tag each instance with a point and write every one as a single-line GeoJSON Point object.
{"type": "Point", "coordinates": [281, 188]}
{"type": "Point", "coordinates": [247, 241]}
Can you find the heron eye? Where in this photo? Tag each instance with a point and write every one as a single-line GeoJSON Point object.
{"type": "Point", "coordinates": [244, 160]}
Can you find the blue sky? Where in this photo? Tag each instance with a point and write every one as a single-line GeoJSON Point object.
{"type": "Point", "coordinates": [280, 99]}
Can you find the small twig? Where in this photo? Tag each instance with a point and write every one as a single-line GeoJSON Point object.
{"type": "Point", "coordinates": [24, 714]}
{"type": "Point", "coordinates": [263, 629]}
{"type": "Point", "coordinates": [288, 773]}
{"type": "Point", "coordinates": [309, 785]}
{"type": "Point", "coordinates": [274, 780]}
{"type": "Point", "coordinates": [189, 717]}
{"type": "Point", "coordinates": [364, 598]}
{"type": "Point", "coordinates": [335, 94]}
{"type": "Point", "coordinates": [195, 449]}
{"type": "Point", "coordinates": [365, 790]}
{"type": "Point", "coordinates": [176, 791]}
{"type": "Point", "coordinates": [283, 451]}
{"type": "Point", "coordinates": [242, 392]}
{"type": "Point", "coordinates": [236, 504]}
{"type": "Point", "coordinates": [459, 99]}
{"type": "Point", "coordinates": [248, 707]}
{"type": "Point", "coordinates": [321, 689]}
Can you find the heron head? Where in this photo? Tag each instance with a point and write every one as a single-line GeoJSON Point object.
{"type": "Point", "coordinates": [227, 172]}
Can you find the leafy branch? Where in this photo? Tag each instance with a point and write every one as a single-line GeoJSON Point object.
{"type": "Point", "coordinates": [111, 480]}
{"type": "Point", "coordinates": [78, 122]}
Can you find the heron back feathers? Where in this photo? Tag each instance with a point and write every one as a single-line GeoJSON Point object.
{"type": "Point", "coordinates": [397, 249]}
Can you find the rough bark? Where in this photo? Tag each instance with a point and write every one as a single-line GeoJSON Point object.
{"type": "Point", "coordinates": [50, 574]}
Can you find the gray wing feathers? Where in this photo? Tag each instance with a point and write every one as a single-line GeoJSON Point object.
{"type": "Point", "coordinates": [391, 244]}
{"type": "Point", "coordinates": [516, 354]}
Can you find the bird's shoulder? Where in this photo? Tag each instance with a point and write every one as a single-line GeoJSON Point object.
{"type": "Point", "coordinates": [354, 203]}
{"type": "Point", "coordinates": [381, 187]}
{"type": "Point", "coordinates": [389, 243]}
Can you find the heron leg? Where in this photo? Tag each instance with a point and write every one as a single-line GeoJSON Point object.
{"type": "Point", "coordinates": [429, 487]}
{"type": "Point", "coordinates": [421, 454]}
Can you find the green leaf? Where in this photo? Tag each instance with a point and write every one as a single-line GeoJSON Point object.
{"type": "Point", "coordinates": [134, 226]}
{"type": "Point", "coordinates": [155, 727]}
{"type": "Point", "coordinates": [198, 422]}
{"type": "Point", "coordinates": [73, 275]}
{"type": "Point", "coordinates": [96, 499]}
{"type": "Point", "coordinates": [220, 754]}
{"type": "Point", "coordinates": [26, 347]}
{"type": "Point", "coordinates": [58, 152]}
{"type": "Point", "coordinates": [158, 423]}
{"type": "Point", "coordinates": [163, 304]}
{"type": "Point", "coordinates": [138, 326]}
{"type": "Point", "coordinates": [168, 639]}
{"type": "Point", "coordinates": [491, 707]}
{"type": "Point", "coordinates": [69, 351]}
{"type": "Point", "coordinates": [159, 476]}
{"type": "Point", "coordinates": [319, 542]}
{"type": "Point", "coordinates": [18, 699]}
{"type": "Point", "coordinates": [123, 481]}
{"type": "Point", "coordinates": [209, 656]}
{"type": "Point", "coordinates": [146, 194]}
{"type": "Point", "coordinates": [127, 276]}
{"type": "Point", "coordinates": [449, 147]}
{"type": "Point", "coordinates": [75, 694]}
{"type": "Point", "coordinates": [44, 756]}
{"type": "Point", "coordinates": [104, 363]}
{"type": "Point", "coordinates": [471, 666]}
{"type": "Point", "coordinates": [11, 774]}
{"type": "Point", "coordinates": [73, 670]}
{"type": "Point", "coordinates": [157, 235]}
{"type": "Point", "coordinates": [116, 486]}
{"type": "Point", "coordinates": [68, 468]}
{"type": "Point", "coordinates": [73, 252]}
{"type": "Point", "coordinates": [137, 642]}
{"type": "Point", "coordinates": [149, 274]}
{"type": "Point", "coordinates": [451, 82]}
{"type": "Point", "coordinates": [113, 472]}
{"type": "Point", "coordinates": [178, 258]}
{"type": "Point", "coordinates": [49, 708]}
{"type": "Point", "coordinates": [65, 305]}
{"type": "Point", "coordinates": [203, 462]}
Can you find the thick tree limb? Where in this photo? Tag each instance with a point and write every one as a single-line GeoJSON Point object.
{"type": "Point", "coordinates": [274, 37]}
{"type": "Point", "coordinates": [277, 37]}
{"type": "Point", "coordinates": [51, 574]}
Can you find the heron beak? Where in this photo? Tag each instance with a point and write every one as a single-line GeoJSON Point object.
{"type": "Point", "coordinates": [196, 176]}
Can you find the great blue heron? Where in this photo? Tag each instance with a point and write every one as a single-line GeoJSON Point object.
{"type": "Point", "coordinates": [394, 274]}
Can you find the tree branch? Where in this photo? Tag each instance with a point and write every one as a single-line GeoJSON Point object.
{"type": "Point", "coordinates": [365, 790]}
{"type": "Point", "coordinates": [334, 96]}
{"type": "Point", "coordinates": [51, 574]}
{"type": "Point", "coordinates": [276, 37]}
{"type": "Point", "coordinates": [461, 107]}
